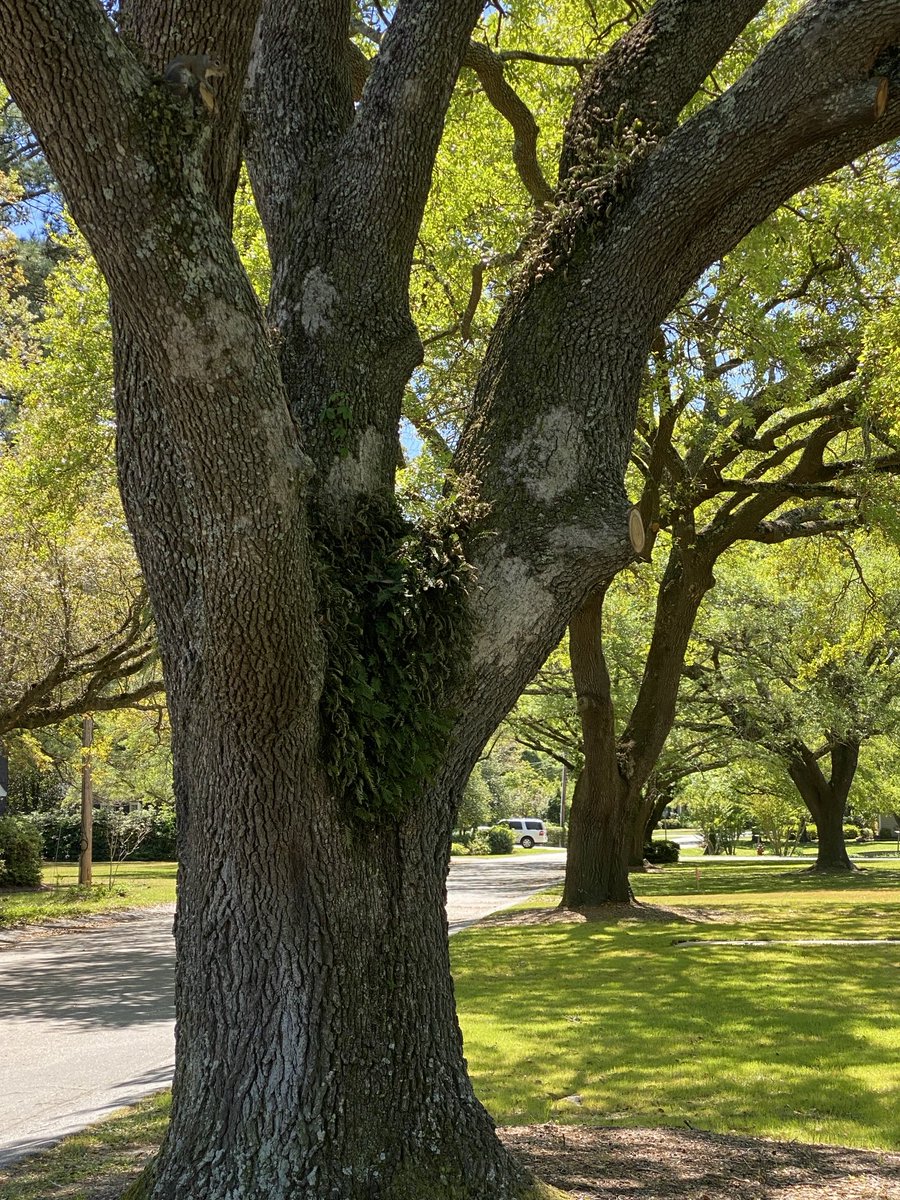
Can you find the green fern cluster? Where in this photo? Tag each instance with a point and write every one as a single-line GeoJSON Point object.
{"type": "Point", "coordinates": [394, 610]}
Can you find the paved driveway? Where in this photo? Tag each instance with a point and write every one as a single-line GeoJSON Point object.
{"type": "Point", "coordinates": [87, 1019]}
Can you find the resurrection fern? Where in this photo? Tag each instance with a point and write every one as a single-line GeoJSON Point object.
{"type": "Point", "coordinates": [394, 611]}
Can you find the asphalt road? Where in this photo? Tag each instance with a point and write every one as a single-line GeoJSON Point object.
{"type": "Point", "coordinates": [88, 1018]}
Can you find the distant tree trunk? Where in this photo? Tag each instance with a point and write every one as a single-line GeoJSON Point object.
{"type": "Point", "coordinates": [648, 810]}
{"type": "Point", "coordinates": [826, 799]}
{"type": "Point", "coordinates": [599, 842]}
{"type": "Point", "coordinates": [4, 781]}
{"type": "Point", "coordinates": [616, 769]}
{"type": "Point", "coordinates": [658, 801]}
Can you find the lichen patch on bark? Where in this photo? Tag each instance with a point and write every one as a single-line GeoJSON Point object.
{"type": "Point", "coordinates": [545, 460]}
{"type": "Point", "coordinates": [318, 298]}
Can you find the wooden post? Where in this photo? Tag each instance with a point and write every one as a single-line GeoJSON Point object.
{"type": "Point", "coordinates": [85, 861]}
{"type": "Point", "coordinates": [4, 780]}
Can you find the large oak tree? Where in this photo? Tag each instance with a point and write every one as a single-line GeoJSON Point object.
{"type": "Point", "coordinates": [333, 669]}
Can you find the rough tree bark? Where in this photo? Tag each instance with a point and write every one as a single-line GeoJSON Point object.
{"type": "Point", "coordinates": [597, 859]}
{"type": "Point", "coordinates": [826, 798]}
{"type": "Point", "coordinates": [317, 1049]}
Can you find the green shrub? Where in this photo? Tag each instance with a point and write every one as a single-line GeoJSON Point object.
{"type": "Point", "coordinates": [812, 833]}
{"type": "Point", "coordinates": [60, 830]}
{"type": "Point", "coordinates": [500, 839]}
{"type": "Point", "coordinates": [20, 853]}
{"type": "Point", "coordinates": [554, 834]}
{"type": "Point", "coordinates": [479, 844]}
{"type": "Point", "coordinates": [457, 849]}
{"type": "Point", "coordinates": [662, 852]}
{"type": "Point", "coordinates": [851, 832]}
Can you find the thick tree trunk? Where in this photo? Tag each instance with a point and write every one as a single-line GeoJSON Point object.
{"type": "Point", "coordinates": [831, 853]}
{"type": "Point", "coordinates": [312, 979]}
{"type": "Point", "coordinates": [826, 799]}
{"type": "Point", "coordinates": [597, 864]}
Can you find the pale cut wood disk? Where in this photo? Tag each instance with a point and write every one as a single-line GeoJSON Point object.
{"type": "Point", "coordinates": [636, 531]}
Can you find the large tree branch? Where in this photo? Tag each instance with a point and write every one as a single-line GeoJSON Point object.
{"type": "Point", "coordinates": [389, 153]}
{"type": "Point", "coordinates": [204, 27]}
{"type": "Point", "coordinates": [823, 91]}
{"type": "Point", "coordinates": [91, 700]}
{"type": "Point", "coordinates": [299, 61]}
{"type": "Point", "coordinates": [651, 73]}
{"type": "Point", "coordinates": [488, 66]}
{"type": "Point", "coordinates": [91, 677]}
{"type": "Point", "coordinates": [800, 523]}
{"type": "Point", "coordinates": [129, 156]}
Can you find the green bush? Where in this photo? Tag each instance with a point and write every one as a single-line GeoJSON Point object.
{"type": "Point", "coordinates": [60, 830]}
{"type": "Point", "coordinates": [20, 853]}
{"type": "Point", "coordinates": [662, 852]}
{"type": "Point", "coordinates": [479, 844]}
{"type": "Point", "coordinates": [500, 839]}
{"type": "Point", "coordinates": [457, 850]}
{"type": "Point", "coordinates": [851, 832]}
{"type": "Point", "coordinates": [812, 833]}
{"type": "Point", "coordinates": [554, 834]}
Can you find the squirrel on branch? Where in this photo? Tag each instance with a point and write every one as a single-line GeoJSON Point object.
{"type": "Point", "coordinates": [190, 74]}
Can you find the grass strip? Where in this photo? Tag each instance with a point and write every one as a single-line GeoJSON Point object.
{"type": "Point", "coordinates": [132, 885]}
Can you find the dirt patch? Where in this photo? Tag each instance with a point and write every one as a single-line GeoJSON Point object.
{"type": "Point", "coordinates": [668, 1164]}
{"type": "Point", "coordinates": [605, 913]}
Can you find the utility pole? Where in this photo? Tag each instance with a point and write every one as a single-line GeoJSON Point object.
{"type": "Point", "coordinates": [85, 860]}
{"type": "Point", "coordinates": [4, 781]}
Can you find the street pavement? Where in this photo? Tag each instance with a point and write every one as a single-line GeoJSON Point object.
{"type": "Point", "coordinates": [87, 1018]}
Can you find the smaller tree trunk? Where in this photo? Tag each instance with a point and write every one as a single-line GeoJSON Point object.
{"type": "Point", "coordinates": [599, 844]}
{"type": "Point", "coordinates": [638, 839]}
{"type": "Point", "coordinates": [601, 818]}
{"type": "Point", "coordinates": [4, 781]}
{"type": "Point", "coordinates": [86, 856]}
{"type": "Point", "coordinates": [832, 850]}
{"type": "Point", "coordinates": [826, 800]}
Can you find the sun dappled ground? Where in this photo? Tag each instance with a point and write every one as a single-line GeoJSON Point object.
{"type": "Point", "coordinates": [611, 1020]}
{"type": "Point", "coordinates": [609, 1048]}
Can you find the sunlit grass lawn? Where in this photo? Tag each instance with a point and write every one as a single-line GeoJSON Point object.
{"type": "Point", "coordinates": [613, 1022]}
{"type": "Point", "coordinates": [134, 885]}
{"type": "Point", "coordinates": [101, 1160]}
{"type": "Point", "coordinates": [789, 1041]}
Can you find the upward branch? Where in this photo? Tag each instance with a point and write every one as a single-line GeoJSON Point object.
{"type": "Point", "coordinates": [651, 73]}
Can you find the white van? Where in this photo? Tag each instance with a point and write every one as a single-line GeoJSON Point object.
{"type": "Point", "coordinates": [528, 831]}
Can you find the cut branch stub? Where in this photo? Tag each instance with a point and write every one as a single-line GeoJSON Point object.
{"type": "Point", "coordinates": [636, 534]}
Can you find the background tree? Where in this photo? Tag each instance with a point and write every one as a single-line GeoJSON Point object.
{"type": "Point", "coordinates": [331, 672]}
{"type": "Point", "coordinates": [76, 625]}
{"type": "Point", "coordinates": [546, 716]}
{"type": "Point", "coordinates": [801, 659]}
{"type": "Point", "coordinates": [755, 427]}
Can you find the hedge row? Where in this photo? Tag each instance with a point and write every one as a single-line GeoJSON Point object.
{"type": "Point", "coordinates": [147, 835]}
